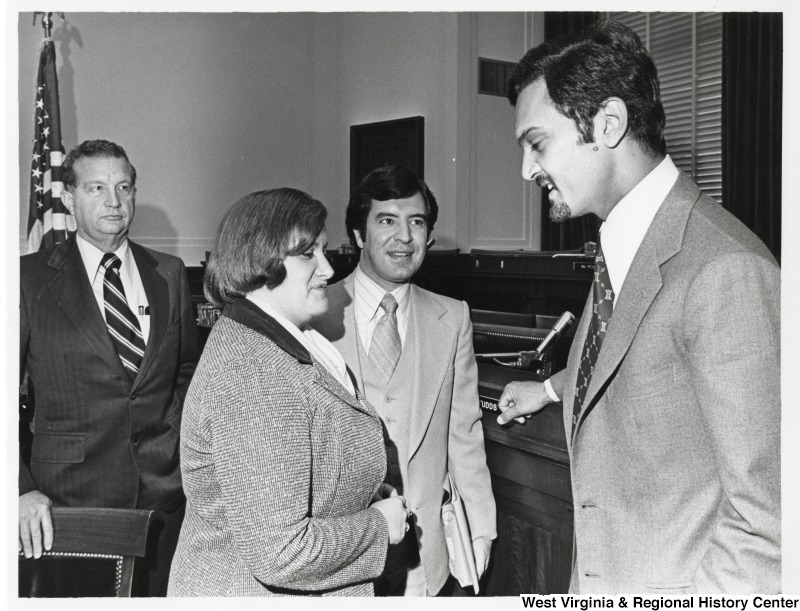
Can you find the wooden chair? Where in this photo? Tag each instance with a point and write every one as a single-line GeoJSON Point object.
{"type": "Point", "coordinates": [92, 554]}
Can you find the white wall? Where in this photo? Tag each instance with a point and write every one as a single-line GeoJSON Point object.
{"type": "Point", "coordinates": [208, 108]}
{"type": "Point", "coordinates": [212, 106]}
{"type": "Point", "coordinates": [390, 67]}
{"type": "Point", "coordinates": [505, 209]}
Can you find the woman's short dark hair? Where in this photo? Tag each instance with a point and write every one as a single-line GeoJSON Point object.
{"type": "Point", "coordinates": [255, 236]}
{"type": "Point", "coordinates": [582, 71]}
{"type": "Point", "coordinates": [383, 184]}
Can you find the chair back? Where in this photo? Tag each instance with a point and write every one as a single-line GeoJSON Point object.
{"type": "Point", "coordinates": [92, 554]}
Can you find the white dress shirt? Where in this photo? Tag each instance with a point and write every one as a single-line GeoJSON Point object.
{"type": "Point", "coordinates": [367, 297]}
{"type": "Point", "coordinates": [320, 348]}
{"type": "Point", "coordinates": [623, 231]}
{"type": "Point", "coordinates": [129, 274]}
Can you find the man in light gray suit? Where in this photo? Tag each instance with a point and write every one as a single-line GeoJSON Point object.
{"type": "Point", "coordinates": [671, 393]}
{"type": "Point", "coordinates": [410, 352]}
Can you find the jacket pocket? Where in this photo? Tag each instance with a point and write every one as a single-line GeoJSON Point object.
{"type": "Point", "coordinates": [643, 382]}
{"type": "Point", "coordinates": [58, 448]}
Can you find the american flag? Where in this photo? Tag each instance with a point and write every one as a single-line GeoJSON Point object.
{"type": "Point", "coordinates": [49, 222]}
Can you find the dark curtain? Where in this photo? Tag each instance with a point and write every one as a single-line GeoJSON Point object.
{"type": "Point", "coordinates": [575, 232]}
{"type": "Point", "coordinates": [752, 83]}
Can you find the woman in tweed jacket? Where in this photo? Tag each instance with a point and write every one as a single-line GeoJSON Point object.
{"type": "Point", "coordinates": [280, 460]}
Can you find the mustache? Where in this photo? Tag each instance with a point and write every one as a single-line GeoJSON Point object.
{"type": "Point", "coordinates": [543, 179]}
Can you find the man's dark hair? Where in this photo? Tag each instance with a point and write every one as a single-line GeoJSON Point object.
{"type": "Point", "coordinates": [92, 148]}
{"type": "Point", "coordinates": [581, 72]}
{"type": "Point", "coordinates": [255, 236]}
{"type": "Point", "coordinates": [382, 184]}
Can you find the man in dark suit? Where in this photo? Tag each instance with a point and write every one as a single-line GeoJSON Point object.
{"type": "Point", "coordinates": [109, 340]}
{"type": "Point", "coordinates": [671, 393]}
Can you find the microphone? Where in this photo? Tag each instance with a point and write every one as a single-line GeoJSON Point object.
{"type": "Point", "coordinates": [526, 357]}
{"type": "Point", "coordinates": [562, 324]}
{"type": "Point", "coordinates": [430, 243]}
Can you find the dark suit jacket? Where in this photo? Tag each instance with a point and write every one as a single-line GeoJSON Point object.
{"type": "Point", "coordinates": [676, 456]}
{"type": "Point", "coordinates": [95, 433]}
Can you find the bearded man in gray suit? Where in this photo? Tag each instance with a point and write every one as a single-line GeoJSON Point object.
{"type": "Point", "coordinates": [410, 352]}
{"type": "Point", "coordinates": [671, 393]}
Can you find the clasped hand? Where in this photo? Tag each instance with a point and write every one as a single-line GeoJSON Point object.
{"type": "Point", "coordinates": [394, 510]}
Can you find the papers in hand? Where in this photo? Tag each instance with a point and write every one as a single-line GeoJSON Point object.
{"type": "Point", "coordinates": [457, 537]}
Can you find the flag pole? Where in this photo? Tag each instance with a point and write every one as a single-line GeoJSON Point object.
{"type": "Point", "coordinates": [47, 21]}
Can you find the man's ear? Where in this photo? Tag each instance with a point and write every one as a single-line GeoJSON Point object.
{"type": "Point", "coordinates": [611, 122]}
{"type": "Point", "coordinates": [359, 239]}
{"type": "Point", "coordinates": [68, 200]}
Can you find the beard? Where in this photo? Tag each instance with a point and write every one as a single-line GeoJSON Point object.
{"type": "Point", "coordinates": [560, 212]}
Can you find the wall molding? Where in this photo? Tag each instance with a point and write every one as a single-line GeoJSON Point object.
{"type": "Point", "coordinates": [191, 250]}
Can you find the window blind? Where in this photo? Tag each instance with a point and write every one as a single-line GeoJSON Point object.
{"type": "Point", "coordinates": [687, 51]}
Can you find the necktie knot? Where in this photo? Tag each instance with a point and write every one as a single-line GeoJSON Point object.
{"type": "Point", "coordinates": [389, 303]}
{"type": "Point", "coordinates": [110, 261]}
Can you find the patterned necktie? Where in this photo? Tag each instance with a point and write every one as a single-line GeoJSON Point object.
{"type": "Point", "coordinates": [123, 326]}
{"type": "Point", "coordinates": [384, 351]}
{"type": "Point", "coordinates": [603, 306]}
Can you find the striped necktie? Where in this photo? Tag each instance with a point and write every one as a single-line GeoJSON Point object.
{"type": "Point", "coordinates": [602, 308]}
{"type": "Point", "coordinates": [123, 326]}
{"type": "Point", "coordinates": [384, 351]}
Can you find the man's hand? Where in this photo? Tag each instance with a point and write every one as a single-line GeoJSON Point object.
{"type": "Point", "coordinates": [384, 491]}
{"type": "Point", "coordinates": [481, 547]}
{"type": "Point", "coordinates": [521, 399]}
{"type": "Point", "coordinates": [34, 523]}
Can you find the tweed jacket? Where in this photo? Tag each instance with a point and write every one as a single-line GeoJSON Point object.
{"type": "Point", "coordinates": [445, 424]}
{"type": "Point", "coordinates": [96, 433]}
{"type": "Point", "coordinates": [279, 463]}
{"type": "Point", "coordinates": [676, 454]}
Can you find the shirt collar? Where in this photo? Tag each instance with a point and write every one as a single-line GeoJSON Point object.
{"type": "Point", "coordinates": [627, 223]}
{"type": "Point", "coordinates": [369, 294]}
{"type": "Point", "coordinates": [92, 256]}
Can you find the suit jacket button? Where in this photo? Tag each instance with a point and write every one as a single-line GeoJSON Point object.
{"type": "Point", "coordinates": [135, 438]}
{"type": "Point", "coordinates": [133, 396]}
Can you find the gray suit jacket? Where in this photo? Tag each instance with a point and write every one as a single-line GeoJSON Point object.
{"type": "Point", "coordinates": [279, 463]}
{"type": "Point", "coordinates": [676, 456]}
{"type": "Point", "coordinates": [446, 419]}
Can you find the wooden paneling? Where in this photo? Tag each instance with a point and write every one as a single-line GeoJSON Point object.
{"type": "Point", "coordinates": [529, 465]}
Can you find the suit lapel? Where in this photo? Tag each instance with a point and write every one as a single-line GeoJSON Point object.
{"type": "Point", "coordinates": [643, 282]}
{"type": "Point", "coordinates": [347, 344]}
{"type": "Point", "coordinates": [157, 291]}
{"type": "Point", "coordinates": [573, 363]}
{"type": "Point", "coordinates": [326, 381]}
{"type": "Point", "coordinates": [433, 345]}
{"type": "Point", "coordinates": [72, 292]}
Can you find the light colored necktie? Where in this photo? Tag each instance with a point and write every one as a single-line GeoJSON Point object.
{"type": "Point", "coordinates": [123, 326]}
{"type": "Point", "coordinates": [384, 351]}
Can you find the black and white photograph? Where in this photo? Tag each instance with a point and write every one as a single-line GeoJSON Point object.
{"type": "Point", "coordinates": [487, 303]}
